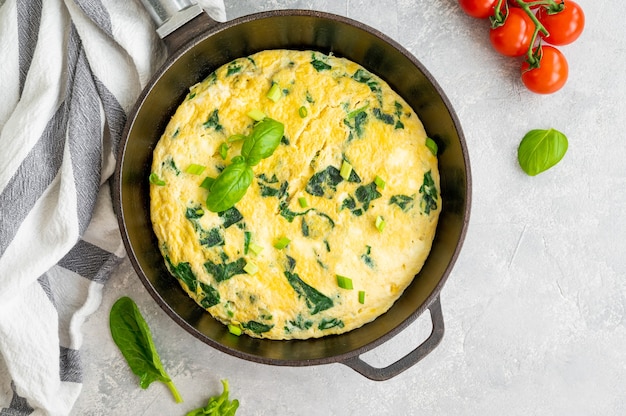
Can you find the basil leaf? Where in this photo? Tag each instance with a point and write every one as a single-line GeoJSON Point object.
{"type": "Point", "coordinates": [132, 336]}
{"type": "Point", "coordinates": [229, 186]}
{"type": "Point", "coordinates": [264, 139]}
{"type": "Point", "coordinates": [539, 150]}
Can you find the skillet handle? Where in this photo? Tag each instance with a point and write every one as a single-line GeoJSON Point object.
{"type": "Point", "coordinates": [410, 359]}
{"type": "Point", "coordinates": [178, 21]}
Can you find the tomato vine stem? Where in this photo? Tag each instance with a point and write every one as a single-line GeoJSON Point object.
{"type": "Point", "coordinates": [532, 58]}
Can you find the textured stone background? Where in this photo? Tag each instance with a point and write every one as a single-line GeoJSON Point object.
{"type": "Point", "coordinates": [535, 306]}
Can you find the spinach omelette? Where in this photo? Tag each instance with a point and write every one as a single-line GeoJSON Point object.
{"type": "Point", "coordinates": [334, 225]}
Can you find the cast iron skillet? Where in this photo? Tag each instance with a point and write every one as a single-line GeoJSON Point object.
{"type": "Point", "coordinates": [202, 45]}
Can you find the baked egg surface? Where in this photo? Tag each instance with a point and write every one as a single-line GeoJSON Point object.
{"type": "Point", "coordinates": [335, 223]}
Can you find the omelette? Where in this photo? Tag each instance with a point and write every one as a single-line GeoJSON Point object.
{"type": "Point", "coordinates": [331, 226]}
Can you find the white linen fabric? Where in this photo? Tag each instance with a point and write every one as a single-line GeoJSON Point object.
{"type": "Point", "coordinates": [70, 70]}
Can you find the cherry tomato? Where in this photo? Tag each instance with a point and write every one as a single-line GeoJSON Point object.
{"type": "Point", "coordinates": [480, 9]}
{"type": "Point", "coordinates": [551, 74]}
{"type": "Point", "coordinates": [565, 26]}
{"type": "Point", "coordinates": [514, 36]}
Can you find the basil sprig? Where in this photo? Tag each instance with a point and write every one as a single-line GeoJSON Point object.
{"type": "Point", "coordinates": [233, 182]}
{"type": "Point", "coordinates": [132, 336]}
{"type": "Point", "coordinates": [539, 150]}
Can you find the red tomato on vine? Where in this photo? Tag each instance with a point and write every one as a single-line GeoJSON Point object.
{"type": "Point", "coordinates": [513, 37]}
{"type": "Point", "coordinates": [480, 9]}
{"type": "Point", "coordinates": [564, 26]}
{"type": "Point", "coordinates": [548, 73]}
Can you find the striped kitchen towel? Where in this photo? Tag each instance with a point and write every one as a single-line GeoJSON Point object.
{"type": "Point", "coordinates": [70, 70]}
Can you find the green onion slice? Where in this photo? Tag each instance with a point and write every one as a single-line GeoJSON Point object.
{"type": "Point", "coordinates": [380, 223]}
{"type": "Point", "coordinates": [250, 268]}
{"type": "Point", "coordinates": [380, 182]}
{"type": "Point", "coordinates": [344, 282]}
{"type": "Point", "coordinates": [361, 296]}
{"type": "Point", "coordinates": [302, 111]}
{"type": "Point", "coordinates": [346, 170]}
{"type": "Point", "coordinates": [432, 146]}
{"type": "Point", "coordinates": [274, 93]}
{"type": "Point", "coordinates": [234, 329]}
{"type": "Point", "coordinates": [155, 180]}
{"type": "Point", "coordinates": [355, 112]}
{"type": "Point", "coordinates": [256, 114]}
{"type": "Point", "coordinates": [195, 169]}
{"type": "Point", "coordinates": [282, 243]}
{"type": "Point", "coordinates": [303, 202]}
{"type": "Point", "coordinates": [255, 248]}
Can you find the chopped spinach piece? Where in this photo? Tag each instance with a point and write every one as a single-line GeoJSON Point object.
{"type": "Point", "coordinates": [211, 295]}
{"type": "Point", "coordinates": [356, 124]}
{"type": "Point", "coordinates": [305, 227]}
{"type": "Point", "coordinates": [330, 323]}
{"type": "Point", "coordinates": [315, 301]}
{"type": "Point", "coordinates": [267, 190]}
{"type": "Point", "coordinates": [365, 77]}
{"type": "Point", "coordinates": [324, 183]}
{"type": "Point", "coordinates": [284, 141]}
{"type": "Point", "coordinates": [176, 132]}
{"type": "Point", "coordinates": [247, 236]}
{"type": "Point", "coordinates": [429, 191]}
{"type": "Point", "coordinates": [367, 258]}
{"type": "Point", "coordinates": [366, 194]}
{"type": "Point", "coordinates": [309, 98]}
{"type": "Point", "coordinates": [183, 272]}
{"type": "Point", "coordinates": [213, 121]}
{"type": "Point", "coordinates": [405, 202]}
{"type": "Point", "coordinates": [226, 270]}
{"type": "Point", "coordinates": [291, 264]}
{"type": "Point", "coordinates": [230, 216]}
{"type": "Point", "coordinates": [170, 164]}
{"type": "Point", "coordinates": [398, 108]}
{"type": "Point", "coordinates": [327, 245]}
{"type": "Point", "coordinates": [399, 125]}
{"type": "Point", "coordinates": [385, 118]}
{"type": "Point", "coordinates": [348, 203]}
{"type": "Point", "coordinates": [233, 68]}
{"type": "Point", "coordinates": [194, 213]}
{"type": "Point", "coordinates": [299, 323]}
{"type": "Point", "coordinates": [211, 238]}
{"type": "Point", "coordinates": [257, 327]}
{"type": "Point", "coordinates": [319, 64]}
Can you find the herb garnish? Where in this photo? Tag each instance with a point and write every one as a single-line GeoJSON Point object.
{"type": "Point", "coordinates": [233, 182]}
{"type": "Point", "coordinates": [218, 405]}
{"type": "Point", "coordinates": [539, 150]}
{"type": "Point", "coordinates": [132, 336]}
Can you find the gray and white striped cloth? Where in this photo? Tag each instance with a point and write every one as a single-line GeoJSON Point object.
{"type": "Point", "coordinates": [70, 70]}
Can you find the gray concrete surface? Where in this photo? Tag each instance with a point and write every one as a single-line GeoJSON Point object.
{"type": "Point", "coordinates": [535, 307]}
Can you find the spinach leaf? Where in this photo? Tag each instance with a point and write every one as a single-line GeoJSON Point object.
{"type": "Point", "coordinates": [385, 118]}
{"type": "Point", "coordinates": [356, 124]}
{"type": "Point", "coordinates": [264, 139]}
{"type": "Point", "coordinates": [539, 150]}
{"type": "Point", "coordinates": [211, 296]}
{"type": "Point", "coordinates": [366, 194]}
{"type": "Point", "coordinates": [367, 258]}
{"type": "Point", "coordinates": [257, 327]}
{"type": "Point", "coordinates": [218, 405]}
{"type": "Point", "coordinates": [230, 216]}
{"type": "Point", "coordinates": [233, 68]}
{"type": "Point", "coordinates": [132, 336]}
{"type": "Point", "coordinates": [268, 190]}
{"type": "Point", "coordinates": [211, 238]}
{"type": "Point", "coordinates": [405, 202]}
{"type": "Point", "coordinates": [319, 64]}
{"type": "Point", "coordinates": [184, 273]}
{"type": "Point", "coordinates": [299, 323]}
{"type": "Point", "coordinates": [315, 300]}
{"type": "Point", "coordinates": [330, 323]}
{"type": "Point", "coordinates": [229, 186]}
{"type": "Point", "coordinates": [193, 213]}
{"type": "Point", "coordinates": [226, 270]}
{"type": "Point", "coordinates": [324, 183]}
{"type": "Point", "coordinates": [213, 121]}
{"type": "Point", "coordinates": [429, 191]}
